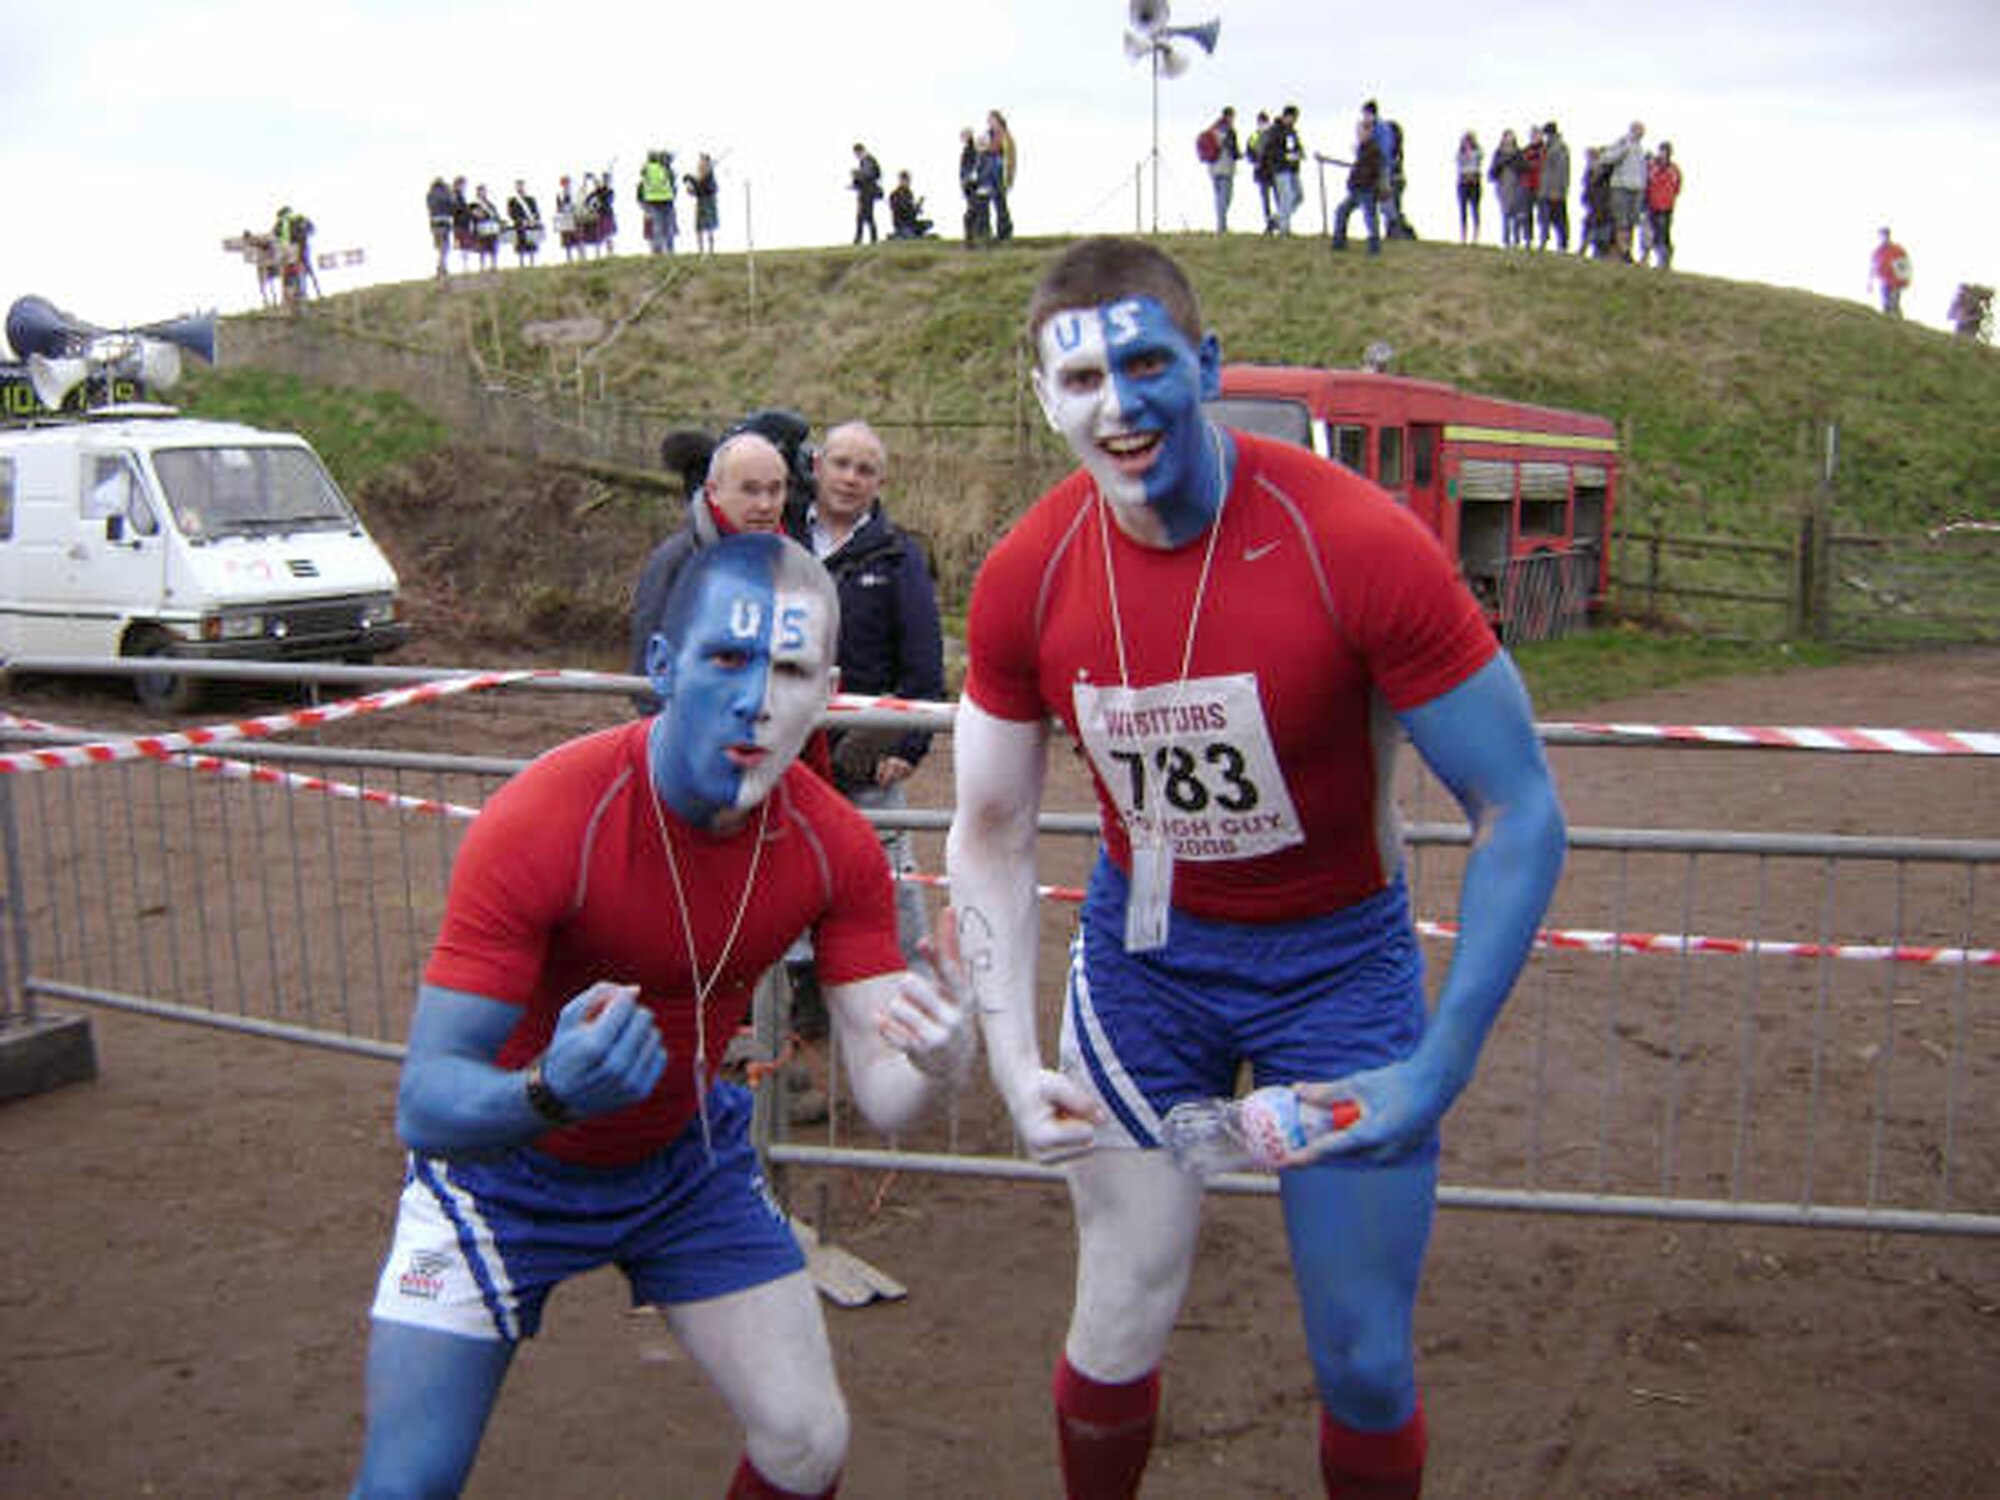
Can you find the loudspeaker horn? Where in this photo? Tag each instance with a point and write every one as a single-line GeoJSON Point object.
{"type": "Point", "coordinates": [196, 334]}
{"type": "Point", "coordinates": [1172, 64]}
{"type": "Point", "coordinates": [159, 364]}
{"type": "Point", "coordinates": [1148, 15]}
{"type": "Point", "coordinates": [1203, 36]}
{"type": "Point", "coordinates": [36, 325]}
{"type": "Point", "coordinates": [54, 379]}
{"type": "Point", "coordinates": [1137, 46]}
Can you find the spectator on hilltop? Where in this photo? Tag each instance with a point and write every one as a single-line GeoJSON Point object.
{"type": "Point", "coordinates": [461, 222]}
{"type": "Point", "coordinates": [438, 205]}
{"type": "Point", "coordinates": [1281, 155]}
{"type": "Point", "coordinates": [1366, 187]}
{"type": "Point", "coordinates": [1552, 190]}
{"type": "Point", "coordinates": [1253, 152]}
{"type": "Point", "coordinates": [1889, 267]}
{"type": "Point", "coordinates": [701, 185]}
{"type": "Point", "coordinates": [968, 183]}
{"type": "Point", "coordinates": [1596, 236]}
{"type": "Point", "coordinates": [525, 215]}
{"type": "Point", "coordinates": [656, 201]}
{"type": "Point", "coordinates": [1471, 164]}
{"type": "Point", "coordinates": [1218, 151]}
{"type": "Point", "coordinates": [866, 181]}
{"type": "Point", "coordinates": [1389, 141]}
{"type": "Point", "coordinates": [603, 198]}
{"type": "Point", "coordinates": [1000, 141]}
{"type": "Point", "coordinates": [568, 229]}
{"type": "Point", "coordinates": [1625, 159]}
{"type": "Point", "coordinates": [906, 211]}
{"type": "Point", "coordinates": [1530, 187]}
{"type": "Point", "coordinates": [1504, 172]}
{"type": "Point", "coordinates": [1663, 191]}
{"type": "Point", "coordinates": [485, 229]}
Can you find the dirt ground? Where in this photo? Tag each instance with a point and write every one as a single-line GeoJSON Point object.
{"type": "Point", "coordinates": [192, 1239]}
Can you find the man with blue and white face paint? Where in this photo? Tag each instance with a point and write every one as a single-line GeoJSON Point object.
{"type": "Point", "coordinates": [610, 913]}
{"type": "Point", "coordinates": [1235, 633]}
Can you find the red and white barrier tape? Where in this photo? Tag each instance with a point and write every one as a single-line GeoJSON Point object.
{"type": "Point", "coordinates": [245, 770]}
{"type": "Point", "coordinates": [1749, 736]}
{"type": "Point", "coordinates": [1581, 940]}
{"type": "Point", "coordinates": [1798, 737]}
{"type": "Point", "coordinates": [162, 746]}
{"type": "Point", "coordinates": [178, 747]}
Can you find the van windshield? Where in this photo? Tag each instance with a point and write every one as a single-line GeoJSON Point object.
{"type": "Point", "coordinates": [244, 490]}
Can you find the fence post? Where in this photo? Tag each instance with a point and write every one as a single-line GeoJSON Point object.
{"type": "Point", "coordinates": [1819, 578]}
{"type": "Point", "coordinates": [38, 1052]}
{"type": "Point", "coordinates": [1653, 572]}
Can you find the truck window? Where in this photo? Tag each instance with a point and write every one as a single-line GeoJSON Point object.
{"type": "Point", "coordinates": [6, 499]}
{"type": "Point", "coordinates": [117, 490]}
{"type": "Point", "coordinates": [1348, 445]}
{"type": "Point", "coordinates": [1425, 452]}
{"type": "Point", "coordinates": [1267, 416]}
{"type": "Point", "coordinates": [249, 490]}
{"type": "Point", "coordinates": [1391, 469]}
{"type": "Point", "coordinates": [107, 486]}
{"type": "Point", "coordinates": [1544, 498]}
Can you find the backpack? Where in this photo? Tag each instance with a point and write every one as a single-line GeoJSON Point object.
{"type": "Point", "coordinates": [1208, 145]}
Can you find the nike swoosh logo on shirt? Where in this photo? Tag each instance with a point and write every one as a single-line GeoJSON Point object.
{"type": "Point", "coordinates": [1251, 554]}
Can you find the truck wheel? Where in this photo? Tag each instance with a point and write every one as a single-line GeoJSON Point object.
{"type": "Point", "coordinates": [161, 692]}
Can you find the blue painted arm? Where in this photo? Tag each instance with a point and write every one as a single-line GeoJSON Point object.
{"type": "Point", "coordinates": [606, 1053]}
{"type": "Point", "coordinates": [1480, 740]}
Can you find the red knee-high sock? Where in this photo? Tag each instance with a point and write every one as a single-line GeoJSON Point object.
{"type": "Point", "coordinates": [1105, 1432]}
{"type": "Point", "coordinates": [1372, 1465]}
{"type": "Point", "coordinates": [750, 1485]}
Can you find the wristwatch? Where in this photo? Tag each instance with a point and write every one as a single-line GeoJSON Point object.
{"type": "Point", "coordinates": [544, 1099]}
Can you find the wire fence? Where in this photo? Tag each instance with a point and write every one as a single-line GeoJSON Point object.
{"type": "Point", "coordinates": [1769, 1028]}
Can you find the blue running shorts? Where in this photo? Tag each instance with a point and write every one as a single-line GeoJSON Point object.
{"type": "Point", "coordinates": [480, 1244]}
{"type": "Point", "coordinates": [1307, 1000]}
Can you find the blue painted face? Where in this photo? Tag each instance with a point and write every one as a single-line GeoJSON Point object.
{"type": "Point", "coordinates": [1124, 385]}
{"type": "Point", "coordinates": [741, 693]}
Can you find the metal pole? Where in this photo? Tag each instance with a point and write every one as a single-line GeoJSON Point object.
{"type": "Point", "coordinates": [1156, 137]}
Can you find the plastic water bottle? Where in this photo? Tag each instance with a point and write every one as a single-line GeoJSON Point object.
{"type": "Point", "coordinates": [1251, 1134]}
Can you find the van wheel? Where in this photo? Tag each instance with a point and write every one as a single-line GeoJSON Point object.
{"type": "Point", "coordinates": [161, 692]}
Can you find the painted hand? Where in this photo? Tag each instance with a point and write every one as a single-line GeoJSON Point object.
{"type": "Point", "coordinates": [1056, 1117]}
{"type": "Point", "coordinates": [931, 1024]}
{"type": "Point", "coordinates": [606, 1053]}
{"type": "Point", "coordinates": [1399, 1106]}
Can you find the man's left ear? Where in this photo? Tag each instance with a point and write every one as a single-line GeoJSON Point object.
{"type": "Point", "coordinates": [660, 664]}
{"type": "Point", "coordinates": [1211, 367]}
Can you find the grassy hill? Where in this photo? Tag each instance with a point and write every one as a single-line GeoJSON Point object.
{"type": "Point", "coordinates": [1716, 386]}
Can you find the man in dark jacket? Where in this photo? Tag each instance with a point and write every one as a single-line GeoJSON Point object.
{"type": "Point", "coordinates": [1366, 182]}
{"type": "Point", "coordinates": [890, 640]}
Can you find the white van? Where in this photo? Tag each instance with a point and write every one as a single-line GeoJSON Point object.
{"type": "Point", "coordinates": [137, 532]}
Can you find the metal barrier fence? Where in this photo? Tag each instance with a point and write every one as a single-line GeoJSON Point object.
{"type": "Point", "coordinates": [1769, 1028]}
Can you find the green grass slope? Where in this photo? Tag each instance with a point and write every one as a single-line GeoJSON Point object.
{"type": "Point", "coordinates": [1716, 385]}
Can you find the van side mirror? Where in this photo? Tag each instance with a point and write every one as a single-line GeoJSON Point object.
{"type": "Point", "coordinates": [114, 527]}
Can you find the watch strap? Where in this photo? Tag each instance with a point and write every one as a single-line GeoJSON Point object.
{"type": "Point", "coordinates": [543, 1099]}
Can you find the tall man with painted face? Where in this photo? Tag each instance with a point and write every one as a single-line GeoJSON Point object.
{"type": "Point", "coordinates": [610, 913]}
{"type": "Point", "coordinates": [1233, 631]}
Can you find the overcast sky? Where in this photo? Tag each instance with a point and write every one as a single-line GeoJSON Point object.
{"type": "Point", "coordinates": [141, 134]}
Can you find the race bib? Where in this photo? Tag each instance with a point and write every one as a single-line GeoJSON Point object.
{"type": "Point", "coordinates": [1190, 765]}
